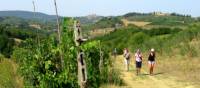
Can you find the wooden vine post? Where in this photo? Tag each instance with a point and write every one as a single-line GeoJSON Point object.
{"type": "Point", "coordinates": [34, 14]}
{"type": "Point", "coordinates": [58, 24]}
{"type": "Point", "coordinates": [59, 35]}
{"type": "Point", "coordinates": [82, 71]}
{"type": "Point", "coordinates": [101, 58]}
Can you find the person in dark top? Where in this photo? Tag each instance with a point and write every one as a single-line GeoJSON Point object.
{"type": "Point", "coordinates": [115, 52]}
{"type": "Point", "coordinates": [151, 61]}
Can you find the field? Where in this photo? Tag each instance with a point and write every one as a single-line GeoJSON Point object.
{"type": "Point", "coordinates": [100, 32]}
{"type": "Point", "coordinates": [137, 23]}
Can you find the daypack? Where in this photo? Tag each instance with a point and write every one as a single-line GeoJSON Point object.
{"type": "Point", "coordinates": [127, 56]}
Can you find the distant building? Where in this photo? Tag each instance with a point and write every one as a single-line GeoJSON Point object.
{"type": "Point", "coordinates": [160, 14]}
{"type": "Point", "coordinates": [92, 16]}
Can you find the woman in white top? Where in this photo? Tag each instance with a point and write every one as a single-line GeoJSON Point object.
{"type": "Point", "coordinates": [126, 58]}
{"type": "Point", "coordinates": [138, 61]}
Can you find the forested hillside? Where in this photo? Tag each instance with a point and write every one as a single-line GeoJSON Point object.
{"type": "Point", "coordinates": [27, 15]}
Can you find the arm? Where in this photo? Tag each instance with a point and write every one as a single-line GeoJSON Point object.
{"type": "Point", "coordinates": [141, 57]}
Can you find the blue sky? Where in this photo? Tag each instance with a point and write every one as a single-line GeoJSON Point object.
{"type": "Point", "coordinates": [104, 7]}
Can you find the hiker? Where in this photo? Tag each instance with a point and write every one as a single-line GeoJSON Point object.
{"type": "Point", "coordinates": [151, 61]}
{"type": "Point", "coordinates": [138, 61]}
{"type": "Point", "coordinates": [126, 58]}
{"type": "Point", "coordinates": [115, 52]}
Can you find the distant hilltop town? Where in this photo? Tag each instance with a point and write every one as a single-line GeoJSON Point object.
{"type": "Point", "coordinates": [161, 14]}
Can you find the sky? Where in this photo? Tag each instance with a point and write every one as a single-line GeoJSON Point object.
{"type": "Point", "coordinates": [104, 7]}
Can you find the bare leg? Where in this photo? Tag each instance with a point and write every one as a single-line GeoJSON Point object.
{"type": "Point", "coordinates": [151, 70]}
{"type": "Point", "coordinates": [127, 66]}
{"type": "Point", "coordinates": [152, 67]}
{"type": "Point", "coordinates": [137, 71]}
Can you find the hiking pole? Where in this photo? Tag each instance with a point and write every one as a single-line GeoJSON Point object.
{"type": "Point", "coordinates": [59, 33]}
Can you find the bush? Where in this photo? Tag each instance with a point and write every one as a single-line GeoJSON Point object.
{"type": "Point", "coordinates": [188, 50]}
{"type": "Point", "coordinates": [164, 40]}
{"type": "Point", "coordinates": [41, 65]}
{"type": "Point", "coordinates": [1, 58]}
{"type": "Point", "coordinates": [137, 40]}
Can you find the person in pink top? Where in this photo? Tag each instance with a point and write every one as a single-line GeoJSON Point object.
{"type": "Point", "coordinates": [138, 61]}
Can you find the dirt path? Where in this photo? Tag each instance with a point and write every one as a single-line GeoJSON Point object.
{"type": "Point", "coordinates": [159, 80]}
{"type": "Point", "coordinates": [18, 79]}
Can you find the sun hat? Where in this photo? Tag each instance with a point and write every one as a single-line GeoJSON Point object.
{"type": "Point", "coordinates": [152, 50]}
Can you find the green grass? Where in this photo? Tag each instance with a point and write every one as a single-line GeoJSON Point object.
{"type": "Point", "coordinates": [8, 76]}
{"type": "Point", "coordinates": [177, 51]}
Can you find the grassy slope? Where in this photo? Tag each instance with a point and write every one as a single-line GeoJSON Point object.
{"type": "Point", "coordinates": [8, 75]}
{"type": "Point", "coordinates": [162, 20]}
{"type": "Point", "coordinates": [178, 59]}
{"type": "Point", "coordinates": [167, 75]}
{"type": "Point", "coordinates": [137, 23]}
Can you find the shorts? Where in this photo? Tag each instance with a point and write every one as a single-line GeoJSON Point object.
{"type": "Point", "coordinates": [151, 62]}
{"type": "Point", "coordinates": [138, 64]}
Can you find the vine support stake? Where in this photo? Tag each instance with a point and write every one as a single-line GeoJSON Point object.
{"type": "Point", "coordinates": [58, 24]}
{"type": "Point", "coordinates": [101, 58]}
{"type": "Point", "coordinates": [59, 34]}
{"type": "Point", "coordinates": [34, 14]}
{"type": "Point", "coordinates": [82, 70]}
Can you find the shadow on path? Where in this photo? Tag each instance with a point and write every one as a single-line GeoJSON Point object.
{"type": "Point", "coordinates": [159, 73]}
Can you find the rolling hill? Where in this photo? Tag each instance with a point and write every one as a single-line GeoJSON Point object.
{"type": "Point", "coordinates": [90, 19]}
{"type": "Point", "coordinates": [27, 15]}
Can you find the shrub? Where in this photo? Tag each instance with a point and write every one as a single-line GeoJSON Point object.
{"type": "Point", "coordinates": [41, 65]}
{"type": "Point", "coordinates": [188, 50]}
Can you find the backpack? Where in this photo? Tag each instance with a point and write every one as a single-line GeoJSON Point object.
{"type": "Point", "coordinates": [127, 56]}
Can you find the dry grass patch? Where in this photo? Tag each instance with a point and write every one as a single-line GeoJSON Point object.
{"type": "Point", "coordinates": [184, 69]}
{"type": "Point", "coordinates": [8, 75]}
{"type": "Point", "coordinates": [137, 23]}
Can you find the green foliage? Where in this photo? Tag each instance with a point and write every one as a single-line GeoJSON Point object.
{"type": "Point", "coordinates": [136, 14]}
{"type": "Point", "coordinates": [164, 40]}
{"type": "Point", "coordinates": [1, 57]}
{"type": "Point", "coordinates": [89, 19]}
{"type": "Point", "coordinates": [92, 57]}
{"type": "Point", "coordinates": [41, 66]}
{"type": "Point", "coordinates": [106, 22]}
{"type": "Point", "coordinates": [12, 29]}
{"type": "Point", "coordinates": [168, 20]}
{"type": "Point", "coordinates": [97, 76]}
{"type": "Point", "coordinates": [6, 45]}
{"type": "Point", "coordinates": [188, 50]}
{"type": "Point", "coordinates": [162, 31]}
